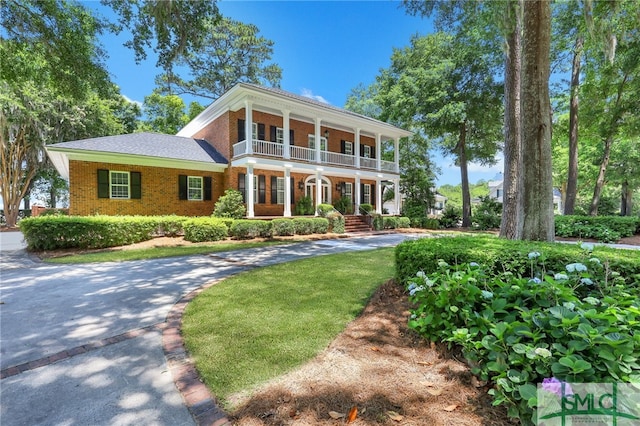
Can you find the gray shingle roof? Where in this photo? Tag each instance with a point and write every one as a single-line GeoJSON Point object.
{"type": "Point", "coordinates": [150, 145]}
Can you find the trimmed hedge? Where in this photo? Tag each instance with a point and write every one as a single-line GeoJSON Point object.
{"type": "Point", "coordinates": [336, 222]}
{"type": "Point", "coordinates": [283, 227]}
{"type": "Point", "coordinates": [320, 225]}
{"type": "Point", "coordinates": [500, 255]}
{"type": "Point", "coordinates": [395, 222]}
{"type": "Point", "coordinates": [202, 229]}
{"type": "Point", "coordinates": [60, 232]}
{"type": "Point", "coordinates": [248, 228]}
{"type": "Point", "coordinates": [303, 225]}
{"type": "Point", "coordinates": [602, 228]}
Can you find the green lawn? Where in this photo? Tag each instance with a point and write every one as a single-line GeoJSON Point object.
{"type": "Point", "coordinates": [158, 252]}
{"type": "Point", "coordinates": [262, 323]}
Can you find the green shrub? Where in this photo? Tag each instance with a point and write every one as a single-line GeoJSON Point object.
{"type": "Point", "coordinates": [404, 222]}
{"type": "Point", "coordinates": [59, 232]}
{"type": "Point", "coordinates": [602, 228]}
{"type": "Point", "coordinates": [451, 217]}
{"type": "Point", "coordinates": [578, 325]}
{"type": "Point", "coordinates": [389, 222]}
{"type": "Point", "coordinates": [324, 209]}
{"type": "Point", "coordinates": [499, 255]}
{"type": "Point", "coordinates": [171, 226]}
{"type": "Point", "coordinates": [320, 225]}
{"type": "Point", "coordinates": [247, 229]}
{"type": "Point", "coordinates": [336, 222]}
{"type": "Point", "coordinates": [344, 205]}
{"type": "Point", "coordinates": [366, 208]}
{"type": "Point", "coordinates": [283, 227]}
{"type": "Point", "coordinates": [431, 223]}
{"type": "Point", "coordinates": [377, 222]}
{"type": "Point", "coordinates": [202, 229]}
{"type": "Point", "coordinates": [304, 206]}
{"type": "Point", "coordinates": [230, 205]}
{"type": "Point", "coordinates": [488, 214]}
{"type": "Point", "coordinates": [303, 225]}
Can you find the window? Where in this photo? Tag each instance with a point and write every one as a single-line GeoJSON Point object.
{"type": "Point", "coordinates": [348, 148]}
{"type": "Point", "coordinates": [366, 193]}
{"type": "Point", "coordinates": [280, 135]}
{"type": "Point", "coordinates": [366, 149]}
{"type": "Point", "coordinates": [119, 183]}
{"type": "Point", "coordinates": [194, 188]}
{"type": "Point", "coordinates": [255, 189]}
{"type": "Point", "coordinates": [254, 131]}
{"type": "Point", "coordinates": [323, 142]}
{"type": "Point", "coordinates": [280, 190]}
{"type": "Point", "coordinates": [348, 191]}
{"type": "Point", "coordinates": [498, 193]}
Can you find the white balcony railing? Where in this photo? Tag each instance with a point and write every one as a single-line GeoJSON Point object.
{"type": "Point", "coordinates": [274, 149]}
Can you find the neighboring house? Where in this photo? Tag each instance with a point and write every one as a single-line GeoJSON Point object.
{"type": "Point", "coordinates": [440, 202]}
{"type": "Point", "coordinates": [273, 146]}
{"type": "Point", "coordinates": [496, 191]}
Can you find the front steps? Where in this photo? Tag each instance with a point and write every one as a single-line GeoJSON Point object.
{"type": "Point", "coordinates": [353, 223]}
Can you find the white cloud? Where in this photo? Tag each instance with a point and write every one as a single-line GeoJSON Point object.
{"type": "Point", "coordinates": [496, 168]}
{"type": "Point", "coordinates": [308, 93]}
{"type": "Point", "coordinates": [132, 101]}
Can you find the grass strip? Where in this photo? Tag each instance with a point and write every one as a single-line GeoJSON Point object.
{"type": "Point", "coordinates": [158, 252]}
{"type": "Point", "coordinates": [262, 323]}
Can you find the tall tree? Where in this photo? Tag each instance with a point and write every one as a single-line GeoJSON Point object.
{"type": "Point", "coordinates": [231, 52]}
{"type": "Point", "coordinates": [538, 223]}
{"type": "Point", "coordinates": [163, 114]}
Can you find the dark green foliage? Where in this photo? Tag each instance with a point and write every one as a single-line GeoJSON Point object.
{"type": "Point", "coordinates": [377, 221]}
{"type": "Point", "coordinates": [246, 229]}
{"type": "Point", "coordinates": [303, 225]}
{"type": "Point", "coordinates": [202, 229]}
{"type": "Point", "coordinates": [324, 209]}
{"type": "Point", "coordinates": [283, 227]}
{"type": "Point", "coordinates": [430, 223]}
{"type": "Point", "coordinates": [366, 208]}
{"type": "Point", "coordinates": [171, 226]}
{"type": "Point", "coordinates": [395, 222]}
{"type": "Point", "coordinates": [230, 205]}
{"type": "Point", "coordinates": [404, 222]}
{"type": "Point", "coordinates": [499, 255]}
{"type": "Point", "coordinates": [344, 205]}
{"type": "Point", "coordinates": [451, 217]}
{"type": "Point", "coordinates": [320, 225]}
{"type": "Point", "coordinates": [602, 228]}
{"type": "Point", "coordinates": [488, 214]}
{"type": "Point", "coordinates": [304, 206]}
{"type": "Point", "coordinates": [336, 222]}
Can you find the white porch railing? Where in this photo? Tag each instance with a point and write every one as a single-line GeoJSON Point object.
{"type": "Point", "coordinates": [274, 149]}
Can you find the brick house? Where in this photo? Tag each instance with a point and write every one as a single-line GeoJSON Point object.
{"type": "Point", "coordinates": [273, 146]}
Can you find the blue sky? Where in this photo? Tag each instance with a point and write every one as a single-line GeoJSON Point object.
{"type": "Point", "coordinates": [325, 49]}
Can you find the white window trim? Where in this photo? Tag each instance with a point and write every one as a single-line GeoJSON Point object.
{"type": "Point", "coordinates": [348, 190]}
{"type": "Point", "coordinates": [366, 193]}
{"type": "Point", "coordinates": [279, 135]}
{"type": "Point", "coordinates": [189, 188]}
{"type": "Point", "coordinates": [366, 151]}
{"type": "Point", "coordinates": [254, 131]}
{"type": "Point", "coordinates": [119, 185]}
{"type": "Point", "coordinates": [312, 142]}
{"type": "Point", "coordinates": [348, 145]}
{"type": "Point", "coordinates": [255, 189]}
{"type": "Point", "coordinates": [280, 190]}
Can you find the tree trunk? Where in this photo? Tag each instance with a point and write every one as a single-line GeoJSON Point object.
{"type": "Point", "coordinates": [464, 176]}
{"type": "Point", "coordinates": [572, 176]}
{"type": "Point", "coordinates": [597, 191]}
{"type": "Point", "coordinates": [511, 224]}
{"type": "Point", "coordinates": [626, 199]}
{"type": "Point", "coordinates": [537, 187]}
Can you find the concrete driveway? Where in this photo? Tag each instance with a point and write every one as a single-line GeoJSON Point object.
{"type": "Point", "coordinates": [81, 344]}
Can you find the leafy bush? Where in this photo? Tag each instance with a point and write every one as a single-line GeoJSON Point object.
{"type": "Point", "coordinates": [230, 205]}
{"type": "Point", "coordinates": [602, 228]}
{"type": "Point", "coordinates": [336, 222]}
{"type": "Point", "coordinates": [58, 232]}
{"type": "Point", "coordinates": [283, 227]}
{"type": "Point", "coordinates": [320, 225]}
{"type": "Point", "coordinates": [451, 217]}
{"type": "Point", "coordinates": [202, 229]}
{"type": "Point", "coordinates": [366, 208]}
{"type": "Point", "coordinates": [247, 229]}
{"type": "Point", "coordinates": [304, 206]}
{"type": "Point", "coordinates": [377, 222]}
{"type": "Point", "coordinates": [431, 223]}
{"type": "Point", "coordinates": [580, 324]}
{"type": "Point", "coordinates": [389, 222]}
{"type": "Point", "coordinates": [171, 226]}
{"type": "Point", "coordinates": [488, 214]}
{"type": "Point", "coordinates": [303, 225]}
{"type": "Point", "coordinates": [404, 222]}
{"type": "Point", "coordinates": [324, 209]}
{"type": "Point", "coordinates": [344, 205]}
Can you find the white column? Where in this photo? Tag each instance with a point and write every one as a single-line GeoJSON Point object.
{"type": "Point", "coordinates": [318, 189]}
{"type": "Point", "coordinates": [287, 192]}
{"type": "Point", "coordinates": [396, 191]}
{"type": "Point", "coordinates": [248, 126]}
{"type": "Point", "coordinates": [357, 195]}
{"type": "Point", "coordinates": [378, 151]}
{"type": "Point", "coordinates": [286, 149]}
{"type": "Point", "coordinates": [317, 138]}
{"type": "Point", "coordinates": [357, 148]}
{"type": "Point", "coordinates": [396, 154]}
{"type": "Point", "coordinates": [249, 186]}
{"type": "Point", "coordinates": [378, 196]}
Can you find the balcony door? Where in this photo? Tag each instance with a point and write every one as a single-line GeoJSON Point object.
{"type": "Point", "coordinates": [310, 191]}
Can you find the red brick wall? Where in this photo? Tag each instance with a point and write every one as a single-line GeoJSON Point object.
{"type": "Point", "coordinates": [219, 132]}
{"type": "Point", "coordinates": [159, 191]}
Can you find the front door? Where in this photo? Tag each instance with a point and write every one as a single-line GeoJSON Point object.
{"type": "Point", "coordinates": [311, 191]}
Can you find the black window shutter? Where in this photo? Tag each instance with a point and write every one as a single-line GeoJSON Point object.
{"type": "Point", "coordinates": [242, 182]}
{"type": "Point", "coordinates": [362, 193]}
{"type": "Point", "coordinates": [373, 195]}
{"type": "Point", "coordinates": [182, 187]}
{"type": "Point", "coordinates": [361, 150]}
{"type": "Point", "coordinates": [291, 137]}
{"type": "Point", "coordinates": [136, 185]}
{"type": "Point", "coordinates": [292, 181]}
{"type": "Point", "coordinates": [241, 130]}
{"type": "Point", "coordinates": [261, 131]}
{"type": "Point", "coordinates": [103, 183]}
{"type": "Point", "coordinates": [274, 190]}
{"type": "Point", "coordinates": [207, 188]}
{"type": "Point", "coordinates": [262, 189]}
{"type": "Point", "coordinates": [272, 133]}
{"type": "Point", "coordinates": [342, 145]}
{"type": "Point", "coordinates": [373, 152]}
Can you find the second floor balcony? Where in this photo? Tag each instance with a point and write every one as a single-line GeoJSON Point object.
{"type": "Point", "coordinates": [310, 155]}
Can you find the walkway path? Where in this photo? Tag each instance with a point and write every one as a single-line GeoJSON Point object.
{"type": "Point", "coordinates": [81, 344]}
